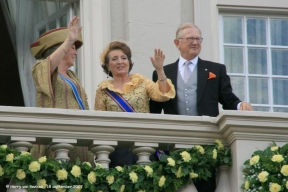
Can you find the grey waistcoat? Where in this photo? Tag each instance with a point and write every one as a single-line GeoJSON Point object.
{"type": "Point", "coordinates": [187, 94]}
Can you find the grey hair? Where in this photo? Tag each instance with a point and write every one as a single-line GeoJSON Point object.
{"type": "Point", "coordinates": [185, 26]}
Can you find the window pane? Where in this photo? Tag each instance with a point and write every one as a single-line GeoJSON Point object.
{"type": "Point", "coordinates": [283, 110]}
{"type": "Point", "coordinates": [261, 108]}
{"type": "Point", "coordinates": [63, 21]}
{"type": "Point", "coordinates": [42, 31]}
{"type": "Point", "coordinates": [256, 31]}
{"type": "Point", "coordinates": [257, 61]}
{"type": "Point", "coordinates": [258, 90]}
{"type": "Point", "coordinates": [238, 87]}
{"type": "Point", "coordinates": [234, 59]}
{"type": "Point", "coordinates": [279, 61]}
{"type": "Point", "coordinates": [280, 93]}
{"type": "Point", "coordinates": [279, 31]}
{"type": "Point", "coordinates": [233, 30]}
{"type": "Point", "coordinates": [52, 25]}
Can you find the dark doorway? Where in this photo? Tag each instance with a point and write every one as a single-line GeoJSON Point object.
{"type": "Point", "coordinates": [10, 86]}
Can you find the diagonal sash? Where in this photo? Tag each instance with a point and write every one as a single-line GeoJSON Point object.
{"type": "Point", "coordinates": [120, 101]}
{"type": "Point", "coordinates": [74, 89]}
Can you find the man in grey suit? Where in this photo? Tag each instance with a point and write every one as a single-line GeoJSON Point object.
{"type": "Point", "coordinates": [200, 85]}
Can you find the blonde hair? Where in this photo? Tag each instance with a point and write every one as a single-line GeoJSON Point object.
{"type": "Point", "coordinates": [185, 26]}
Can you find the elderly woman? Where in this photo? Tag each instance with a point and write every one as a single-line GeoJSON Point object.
{"type": "Point", "coordinates": [56, 85]}
{"type": "Point", "coordinates": [129, 92]}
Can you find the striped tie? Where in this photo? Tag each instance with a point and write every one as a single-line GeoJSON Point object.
{"type": "Point", "coordinates": [187, 71]}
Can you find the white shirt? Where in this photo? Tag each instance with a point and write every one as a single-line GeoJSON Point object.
{"type": "Point", "coordinates": [181, 65]}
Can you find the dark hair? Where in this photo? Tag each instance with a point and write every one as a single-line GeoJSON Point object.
{"type": "Point", "coordinates": [115, 45]}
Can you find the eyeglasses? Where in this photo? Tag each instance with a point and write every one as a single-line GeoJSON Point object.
{"type": "Point", "coordinates": [192, 39]}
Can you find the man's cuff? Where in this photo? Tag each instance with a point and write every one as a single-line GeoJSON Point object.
{"type": "Point", "coordinates": [238, 106]}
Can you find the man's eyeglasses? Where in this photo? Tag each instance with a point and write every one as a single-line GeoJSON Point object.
{"type": "Point", "coordinates": [192, 39]}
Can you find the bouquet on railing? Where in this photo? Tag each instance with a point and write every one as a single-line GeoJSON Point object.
{"type": "Point", "coordinates": [168, 174]}
{"type": "Point", "coordinates": [267, 170]}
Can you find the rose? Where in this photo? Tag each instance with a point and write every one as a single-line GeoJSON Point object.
{"type": "Point", "coordinates": [61, 174]}
{"type": "Point", "coordinates": [122, 188]}
{"type": "Point", "coordinates": [254, 160]}
{"type": "Point", "coordinates": [200, 149]}
{"type": "Point", "coordinates": [98, 165]}
{"type": "Point", "coordinates": [59, 189]}
{"type": "Point", "coordinates": [10, 157]}
{"type": "Point", "coordinates": [110, 179]}
{"type": "Point", "coordinates": [161, 181]}
{"type": "Point", "coordinates": [34, 166]}
{"type": "Point", "coordinates": [247, 185]}
{"type": "Point", "coordinates": [149, 170]}
{"type": "Point", "coordinates": [42, 159]}
{"type": "Point", "coordinates": [91, 177]}
{"type": "Point", "coordinates": [193, 175]}
{"type": "Point", "coordinates": [25, 153]}
{"type": "Point", "coordinates": [133, 177]}
{"type": "Point", "coordinates": [119, 168]}
{"type": "Point", "coordinates": [179, 172]}
{"type": "Point", "coordinates": [3, 146]}
{"type": "Point", "coordinates": [274, 148]}
{"type": "Point", "coordinates": [20, 174]}
{"type": "Point", "coordinates": [263, 176]}
{"type": "Point", "coordinates": [185, 156]}
{"type": "Point", "coordinates": [87, 163]}
{"type": "Point", "coordinates": [214, 153]}
{"type": "Point", "coordinates": [277, 158]}
{"type": "Point", "coordinates": [1, 171]}
{"type": "Point", "coordinates": [286, 184]}
{"type": "Point", "coordinates": [171, 162]}
{"type": "Point", "coordinates": [275, 187]}
{"type": "Point", "coordinates": [77, 190]}
{"type": "Point", "coordinates": [42, 183]}
{"type": "Point", "coordinates": [284, 170]}
{"type": "Point", "coordinates": [76, 171]}
{"type": "Point", "coordinates": [219, 143]}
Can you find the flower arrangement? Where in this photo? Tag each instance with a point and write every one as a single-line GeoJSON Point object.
{"type": "Point", "coordinates": [267, 170]}
{"type": "Point", "coordinates": [168, 174]}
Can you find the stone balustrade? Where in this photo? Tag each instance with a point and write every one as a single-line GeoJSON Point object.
{"type": "Point", "coordinates": [243, 132]}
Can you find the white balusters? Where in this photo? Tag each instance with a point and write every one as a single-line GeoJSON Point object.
{"type": "Point", "coordinates": [61, 147]}
{"type": "Point", "coordinates": [102, 149]}
{"type": "Point", "coordinates": [143, 151]}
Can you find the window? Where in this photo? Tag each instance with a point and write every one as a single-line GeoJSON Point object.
{"type": "Point", "coordinates": [59, 18]}
{"type": "Point", "coordinates": [255, 52]}
{"type": "Point", "coordinates": [57, 15]}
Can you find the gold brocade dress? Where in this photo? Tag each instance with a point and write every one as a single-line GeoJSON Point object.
{"type": "Point", "coordinates": [137, 93]}
{"type": "Point", "coordinates": [53, 92]}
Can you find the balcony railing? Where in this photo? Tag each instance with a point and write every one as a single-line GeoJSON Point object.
{"type": "Point", "coordinates": [243, 132]}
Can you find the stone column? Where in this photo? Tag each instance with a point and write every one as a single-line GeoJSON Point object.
{"type": "Point", "coordinates": [143, 151]}
{"type": "Point", "coordinates": [21, 144]}
{"type": "Point", "coordinates": [62, 147]}
{"type": "Point", "coordinates": [102, 149]}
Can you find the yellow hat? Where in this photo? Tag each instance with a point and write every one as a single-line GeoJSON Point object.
{"type": "Point", "coordinates": [50, 38]}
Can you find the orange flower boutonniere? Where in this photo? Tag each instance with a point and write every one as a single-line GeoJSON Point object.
{"type": "Point", "coordinates": [211, 75]}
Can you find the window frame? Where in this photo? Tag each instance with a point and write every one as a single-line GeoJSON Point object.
{"type": "Point", "coordinates": [269, 76]}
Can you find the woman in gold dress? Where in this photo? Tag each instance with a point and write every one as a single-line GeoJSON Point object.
{"type": "Point", "coordinates": [56, 85]}
{"type": "Point", "coordinates": [129, 93]}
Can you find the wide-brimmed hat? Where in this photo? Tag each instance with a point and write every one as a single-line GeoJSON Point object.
{"type": "Point", "coordinates": [50, 38]}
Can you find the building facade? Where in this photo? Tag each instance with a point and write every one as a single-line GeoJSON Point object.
{"type": "Point", "coordinates": [249, 37]}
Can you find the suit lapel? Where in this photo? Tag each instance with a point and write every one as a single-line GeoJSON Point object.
{"type": "Point", "coordinates": [172, 73]}
{"type": "Point", "coordinates": [203, 70]}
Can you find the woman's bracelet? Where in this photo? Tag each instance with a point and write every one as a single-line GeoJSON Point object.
{"type": "Point", "coordinates": [161, 80]}
{"type": "Point", "coordinates": [64, 51]}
